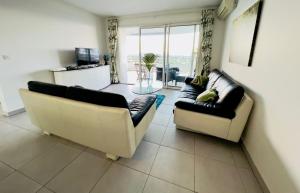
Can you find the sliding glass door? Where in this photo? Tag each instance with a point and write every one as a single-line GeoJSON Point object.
{"type": "Point", "coordinates": [153, 41]}
{"type": "Point", "coordinates": [175, 45]}
{"type": "Point", "coordinates": [181, 54]}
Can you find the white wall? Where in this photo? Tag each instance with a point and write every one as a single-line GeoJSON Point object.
{"type": "Point", "coordinates": [37, 35]}
{"type": "Point", "coordinates": [179, 17]}
{"type": "Point", "coordinates": [273, 132]}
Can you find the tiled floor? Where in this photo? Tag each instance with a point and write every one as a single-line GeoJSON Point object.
{"type": "Point", "coordinates": [167, 161]}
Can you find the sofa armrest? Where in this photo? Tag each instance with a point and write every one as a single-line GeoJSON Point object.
{"type": "Point", "coordinates": [188, 80]}
{"type": "Point", "coordinates": [206, 108]}
{"type": "Point", "coordinates": [140, 106]}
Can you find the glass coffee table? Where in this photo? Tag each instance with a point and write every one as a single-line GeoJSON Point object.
{"type": "Point", "coordinates": [147, 87]}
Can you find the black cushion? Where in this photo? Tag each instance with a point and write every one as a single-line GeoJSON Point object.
{"type": "Point", "coordinates": [229, 93]}
{"type": "Point", "coordinates": [188, 80]}
{"type": "Point", "coordinates": [97, 97]}
{"type": "Point", "coordinates": [213, 76]}
{"type": "Point", "coordinates": [140, 106]}
{"type": "Point", "coordinates": [189, 88]}
{"type": "Point", "coordinates": [205, 107]}
{"type": "Point", "coordinates": [47, 88]}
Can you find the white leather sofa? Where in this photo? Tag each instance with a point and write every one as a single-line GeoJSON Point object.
{"type": "Point", "coordinates": [114, 129]}
{"type": "Point", "coordinates": [225, 118]}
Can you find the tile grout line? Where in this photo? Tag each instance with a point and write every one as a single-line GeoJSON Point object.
{"type": "Point", "coordinates": [4, 163]}
{"type": "Point", "coordinates": [46, 189]}
{"type": "Point", "coordinates": [39, 155]}
{"type": "Point", "coordinates": [237, 169]}
{"type": "Point", "coordinates": [93, 187]}
{"type": "Point", "coordinates": [62, 170]}
{"type": "Point", "coordinates": [165, 130]}
{"type": "Point", "coordinates": [44, 185]}
{"type": "Point", "coordinates": [153, 176]}
{"type": "Point", "coordinates": [20, 127]}
{"type": "Point", "coordinates": [25, 175]}
{"type": "Point", "coordinates": [8, 175]}
{"type": "Point", "coordinates": [171, 183]}
{"type": "Point", "coordinates": [150, 169]}
{"type": "Point", "coordinates": [250, 169]}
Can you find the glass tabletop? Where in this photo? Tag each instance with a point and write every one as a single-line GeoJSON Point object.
{"type": "Point", "coordinates": [147, 87]}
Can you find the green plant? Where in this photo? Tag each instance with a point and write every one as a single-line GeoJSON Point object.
{"type": "Point", "coordinates": [149, 60]}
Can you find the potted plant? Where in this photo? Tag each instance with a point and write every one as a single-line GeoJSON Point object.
{"type": "Point", "coordinates": [149, 59]}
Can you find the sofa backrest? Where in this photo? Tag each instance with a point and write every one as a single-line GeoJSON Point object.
{"type": "Point", "coordinates": [212, 78]}
{"type": "Point", "coordinates": [97, 97]}
{"type": "Point", "coordinates": [230, 93]}
{"type": "Point", "coordinates": [79, 94]}
{"type": "Point", "coordinates": [47, 88]}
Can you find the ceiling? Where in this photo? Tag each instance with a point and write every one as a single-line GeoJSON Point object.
{"type": "Point", "coordinates": [131, 7]}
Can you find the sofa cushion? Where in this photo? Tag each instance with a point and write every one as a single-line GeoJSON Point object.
{"type": "Point", "coordinates": [205, 107]}
{"type": "Point", "coordinates": [213, 76]}
{"type": "Point", "coordinates": [97, 97]}
{"type": "Point", "coordinates": [230, 93]}
{"type": "Point", "coordinates": [188, 80]}
{"type": "Point", "coordinates": [47, 88]}
{"type": "Point", "coordinates": [140, 106]}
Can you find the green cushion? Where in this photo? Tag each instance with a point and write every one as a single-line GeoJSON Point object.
{"type": "Point", "coordinates": [199, 80]}
{"type": "Point", "coordinates": [207, 96]}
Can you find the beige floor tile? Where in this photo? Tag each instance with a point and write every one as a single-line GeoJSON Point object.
{"type": "Point", "coordinates": [44, 190]}
{"type": "Point", "coordinates": [143, 158]}
{"type": "Point", "coordinates": [249, 181]}
{"type": "Point", "coordinates": [69, 143]}
{"type": "Point", "coordinates": [213, 176]}
{"type": "Point", "coordinates": [213, 147]}
{"type": "Point", "coordinates": [174, 166]}
{"type": "Point", "coordinates": [25, 148]}
{"type": "Point", "coordinates": [96, 153]}
{"type": "Point", "coordinates": [10, 133]}
{"type": "Point", "coordinates": [171, 123]}
{"type": "Point", "coordinates": [121, 179]}
{"type": "Point", "coordinates": [169, 101]}
{"type": "Point", "coordinates": [47, 165]}
{"type": "Point", "coordinates": [6, 128]}
{"type": "Point", "coordinates": [165, 109]}
{"type": "Point", "coordinates": [171, 96]}
{"type": "Point", "coordinates": [81, 175]}
{"type": "Point", "coordinates": [17, 183]}
{"type": "Point", "coordinates": [161, 119]}
{"type": "Point", "coordinates": [22, 120]}
{"type": "Point", "coordinates": [239, 157]}
{"type": "Point", "coordinates": [179, 139]}
{"type": "Point", "coordinates": [5, 171]}
{"type": "Point", "coordinates": [155, 185]}
{"type": "Point", "coordinates": [155, 133]}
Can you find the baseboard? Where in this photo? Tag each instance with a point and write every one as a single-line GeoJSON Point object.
{"type": "Point", "coordinates": [258, 176]}
{"type": "Point", "coordinates": [11, 113]}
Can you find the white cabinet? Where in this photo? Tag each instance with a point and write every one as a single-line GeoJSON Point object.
{"type": "Point", "coordinates": [92, 78]}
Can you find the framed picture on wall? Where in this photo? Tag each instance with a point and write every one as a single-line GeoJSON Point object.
{"type": "Point", "coordinates": [244, 32]}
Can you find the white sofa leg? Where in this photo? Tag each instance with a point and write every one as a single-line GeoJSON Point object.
{"type": "Point", "coordinates": [47, 133]}
{"type": "Point", "coordinates": [112, 157]}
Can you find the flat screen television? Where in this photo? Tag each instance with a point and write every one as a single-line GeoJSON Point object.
{"type": "Point", "coordinates": [86, 56]}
